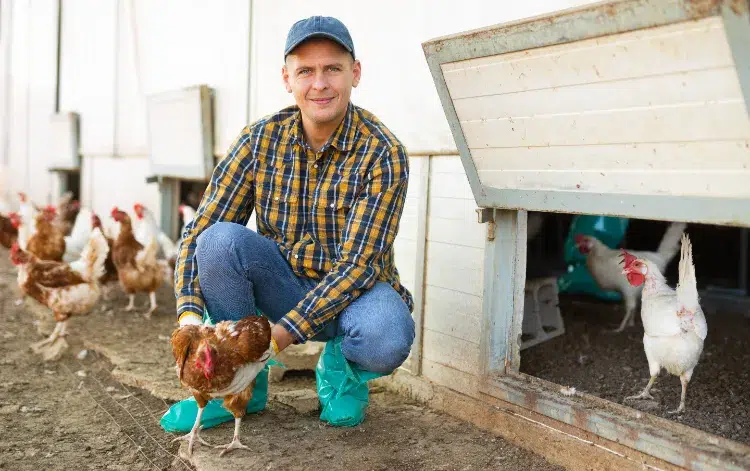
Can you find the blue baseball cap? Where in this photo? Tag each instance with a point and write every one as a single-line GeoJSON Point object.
{"type": "Point", "coordinates": [318, 27]}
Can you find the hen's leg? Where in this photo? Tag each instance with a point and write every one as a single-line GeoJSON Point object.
{"type": "Point", "coordinates": [629, 317]}
{"type": "Point", "coordinates": [193, 435]}
{"type": "Point", "coordinates": [646, 393]}
{"type": "Point", "coordinates": [131, 302]}
{"type": "Point", "coordinates": [107, 292]}
{"type": "Point", "coordinates": [684, 379]}
{"type": "Point", "coordinates": [57, 332]}
{"type": "Point", "coordinates": [152, 299]}
{"type": "Point", "coordinates": [235, 444]}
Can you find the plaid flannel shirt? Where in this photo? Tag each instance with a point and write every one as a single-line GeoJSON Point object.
{"type": "Point", "coordinates": [334, 214]}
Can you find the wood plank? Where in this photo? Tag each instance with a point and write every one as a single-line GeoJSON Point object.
{"type": "Point", "coordinates": [407, 228]}
{"type": "Point", "coordinates": [725, 155]}
{"type": "Point", "coordinates": [725, 120]}
{"type": "Point", "coordinates": [405, 251]}
{"type": "Point", "coordinates": [449, 256]}
{"type": "Point", "coordinates": [450, 185]}
{"type": "Point", "coordinates": [721, 211]}
{"type": "Point", "coordinates": [454, 267]}
{"type": "Point", "coordinates": [682, 87]}
{"type": "Point", "coordinates": [420, 253]}
{"type": "Point", "coordinates": [450, 351]}
{"type": "Point", "coordinates": [411, 206]}
{"type": "Point", "coordinates": [451, 378]}
{"type": "Point", "coordinates": [447, 164]}
{"type": "Point", "coordinates": [453, 313]}
{"type": "Point", "coordinates": [503, 293]}
{"type": "Point", "coordinates": [656, 51]}
{"type": "Point", "coordinates": [707, 183]}
{"type": "Point", "coordinates": [465, 233]}
{"type": "Point", "coordinates": [456, 209]}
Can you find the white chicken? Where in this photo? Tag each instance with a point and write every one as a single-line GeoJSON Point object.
{"type": "Point", "coordinates": [188, 214]}
{"type": "Point", "coordinates": [148, 229]}
{"type": "Point", "coordinates": [605, 267]}
{"type": "Point", "coordinates": [674, 324]}
{"type": "Point", "coordinates": [27, 212]}
{"type": "Point", "coordinates": [79, 236]}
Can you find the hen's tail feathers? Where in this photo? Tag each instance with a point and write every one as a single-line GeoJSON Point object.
{"type": "Point", "coordinates": [670, 243]}
{"type": "Point", "coordinates": [687, 290]}
{"type": "Point", "coordinates": [167, 245]}
{"type": "Point", "coordinates": [78, 238]}
{"type": "Point", "coordinates": [93, 256]}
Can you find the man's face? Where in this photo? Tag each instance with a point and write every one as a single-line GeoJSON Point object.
{"type": "Point", "coordinates": [321, 74]}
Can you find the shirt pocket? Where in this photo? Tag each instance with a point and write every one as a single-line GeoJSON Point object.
{"type": "Point", "coordinates": [331, 210]}
{"type": "Point", "coordinates": [279, 209]}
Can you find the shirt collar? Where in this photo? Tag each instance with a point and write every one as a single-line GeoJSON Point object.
{"type": "Point", "coordinates": [343, 137]}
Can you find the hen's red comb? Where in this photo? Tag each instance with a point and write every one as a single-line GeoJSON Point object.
{"type": "Point", "coordinates": [580, 239]}
{"type": "Point", "coordinates": [628, 258]}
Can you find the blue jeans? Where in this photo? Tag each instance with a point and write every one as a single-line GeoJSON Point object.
{"type": "Point", "coordinates": [240, 269]}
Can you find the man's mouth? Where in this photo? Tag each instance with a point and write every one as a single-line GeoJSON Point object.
{"type": "Point", "coordinates": [321, 101]}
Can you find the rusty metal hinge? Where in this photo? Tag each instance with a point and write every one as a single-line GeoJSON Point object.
{"type": "Point", "coordinates": [487, 215]}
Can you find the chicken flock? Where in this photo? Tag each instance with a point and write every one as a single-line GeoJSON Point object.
{"type": "Point", "coordinates": [67, 260]}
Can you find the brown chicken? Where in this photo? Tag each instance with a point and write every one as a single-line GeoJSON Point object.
{"type": "Point", "coordinates": [222, 361]}
{"type": "Point", "coordinates": [47, 242]}
{"type": "Point", "coordinates": [66, 288]}
{"type": "Point", "coordinates": [67, 211]}
{"type": "Point", "coordinates": [137, 267]}
{"type": "Point", "coordinates": [9, 229]}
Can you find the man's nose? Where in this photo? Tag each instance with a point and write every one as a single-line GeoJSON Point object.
{"type": "Point", "coordinates": [320, 82]}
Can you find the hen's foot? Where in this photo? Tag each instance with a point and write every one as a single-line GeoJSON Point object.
{"type": "Point", "coordinates": [679, 410]}
{"type": "Point", "coordinates": [643, 395]}
{"type": "Point", "coordinates": [234, 445]}
{"type": "Point", "coordinates": [191, 438]}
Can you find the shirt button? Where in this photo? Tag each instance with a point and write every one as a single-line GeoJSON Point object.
{"type": "Point", "coordinates": [315, 166]}
{"type": "Point", "coordinates": [332, 205]}
{"type": "Point", "coordinates": [277, 198]}
{"type": "Point", "coordinates": [296, 256]}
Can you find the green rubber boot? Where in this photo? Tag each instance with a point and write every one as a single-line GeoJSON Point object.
{"type": "Point", "coordinates": [181, 416]}
{"type": "Point", "coordinates": [342, 387]}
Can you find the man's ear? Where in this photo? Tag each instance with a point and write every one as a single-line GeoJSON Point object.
{"type": "Point", "coordinates": [285, 78]}
{"type": "Point", "coordinates": [357, 70]}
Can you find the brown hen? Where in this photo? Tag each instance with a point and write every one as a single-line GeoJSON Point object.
{"type": "Point", "coordinates": [222, 361]}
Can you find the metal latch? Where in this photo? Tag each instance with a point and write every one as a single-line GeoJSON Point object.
{"type": "Point", "coordinates": [487, 215]}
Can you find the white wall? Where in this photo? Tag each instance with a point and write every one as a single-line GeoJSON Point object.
{"type": "Point", "coordinates": [30, 85]}
{"type": "Point", "coordinates": [396, 83]}
{"type": "Point", "coordinates": [114, 53]}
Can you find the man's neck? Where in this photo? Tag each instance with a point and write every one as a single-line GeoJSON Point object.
{"type": "Point", "coordinates": [316, 135]}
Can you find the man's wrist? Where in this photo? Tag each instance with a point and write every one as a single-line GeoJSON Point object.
{"type": "Point", "coordinates": [189, 318]}
{"type": "Point", "coordinates": [281, 338]}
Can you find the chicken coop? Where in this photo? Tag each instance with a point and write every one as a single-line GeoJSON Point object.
{"type": "Point", "coordinates": [636, 109]}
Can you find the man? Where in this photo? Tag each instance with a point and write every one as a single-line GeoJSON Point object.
{"type": "Point", "coordinates": [327, 181]}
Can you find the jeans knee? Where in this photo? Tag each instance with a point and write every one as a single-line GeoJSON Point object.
{"type": "Point", "coordinates": [217, 241]}
{"type": "Point", "coordinates": [380, 332]}
{"type": "Point", "coordinates": [389, 351]}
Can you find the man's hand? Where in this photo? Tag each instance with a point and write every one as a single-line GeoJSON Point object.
{"type": "Point", "coordinates": [282, 337]}
{"type": "Point", "coordinates": [190, 318]}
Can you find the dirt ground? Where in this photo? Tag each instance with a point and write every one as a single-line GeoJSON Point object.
{"type": "Point", "coordinates": [613, 366]}
{"type": "Point", "coordinates": [101, 412]}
